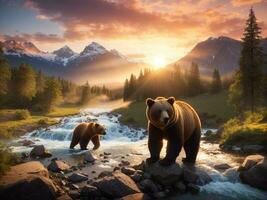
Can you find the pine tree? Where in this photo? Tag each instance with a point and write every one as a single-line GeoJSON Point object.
{"type": "Point", "coordinates": [193, 79]}
{"type": "Point", "coordinates": [24, 85]}
{"type": "Point", "coordinates": [126, 94]}
{"type": "Point", "coordinates": [5, 74]}
{"type": "Point", "coordinates": [250, 78]}
{"type": "Point", "coordinates": [86, 93]}
{"type": "Point", "coordinates": [40, 82]}
{"type": "Point", "coordinates": [216, 84]}
{"type": "Point", "coordinates": [51, 94]}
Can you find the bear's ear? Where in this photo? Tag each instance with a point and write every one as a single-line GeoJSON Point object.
{"type": "Point", "coordinates": [149, 102]}
{"type": "Point", "coordinates": [171, 100]}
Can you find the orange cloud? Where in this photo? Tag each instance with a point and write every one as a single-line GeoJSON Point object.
{"type": "Point", "coordinates": [245, 2]}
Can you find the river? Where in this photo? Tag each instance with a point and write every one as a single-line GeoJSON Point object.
{"type": "Point", "coordinates": [128, 143]}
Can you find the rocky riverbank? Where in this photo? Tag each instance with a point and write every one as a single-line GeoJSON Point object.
{"type": "Point", "coordinates": [118, 163]}
{"type": "Point", "coordinates": [123, 181]}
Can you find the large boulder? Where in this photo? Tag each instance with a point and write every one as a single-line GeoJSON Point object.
{"type": "Point", "coordinates": [250, 161]}
{"type": "Point", "coordinates": [57, 166]}
{"type": "Point", "coordinates": [137, 196]}
{"type": "Point", "coordinates": [27, 181]}
{"type": "Point", "coordinates": [77, 177]}
{"type": "Point", "coordinates": [195, 176]}
{"type": "Point", "coordinates": [117, 185]}
{"type": "Point", "coordinates": [165, 175]}
{"type": "Point", "coordinates": [39, 151]}
{"type": "Point", "coordinates": [256, 176]}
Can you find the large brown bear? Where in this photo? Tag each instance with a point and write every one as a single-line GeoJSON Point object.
{"type": "Point", "coordinates": [178, 123]}
{"type": "Point", "coordinates": [85, 132]}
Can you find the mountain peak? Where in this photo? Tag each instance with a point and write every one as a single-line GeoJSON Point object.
{"type": "Point", "coordinates": [94, 49]}
{"type": "Point", "coordinates": [20, 46]}
{"type": "Point", "coordinates": [64, 52]}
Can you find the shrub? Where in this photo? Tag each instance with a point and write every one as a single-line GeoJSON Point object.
{"type": "Point", "coordinates": [6, 158]}
{"type": "Point", "coordinates": [22, 114]}
{"type": "Point", "coordinates": [247, 130]}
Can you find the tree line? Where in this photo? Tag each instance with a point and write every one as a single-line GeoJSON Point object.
{"type": "Point", "coordinates": [172, 81]}
{"type": "Point", "coordinates": [23, 87]}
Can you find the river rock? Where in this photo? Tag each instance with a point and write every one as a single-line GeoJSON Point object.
{"type": "Point", "coordinates": [193, 188]}
{"type": "Point", "coordinates": [32, 187]}
{"type": "Point", "coordinates": [89, 191]}
{"type": "Point", "coordinates": [74, 194]}
{"type": "Point", "coordinates": [104, 173]}
{"type": "Point", "coordinates": [222, 166]}
{"type": "Point", "coordinates": [189, 176]}
{"type": "Point", "coordinates": [64, 197]}
{"type": "Point", "coordinates": [250, 161]}
{"type": "Point", "coordinates": [253, 148]}
{"type": "Point", "coordinates": [128, 170]}
{"type": "Point", "coordinates": [28, 180]}
{"type": "Point", "coordinates": [137, 176]}
{"type": "Point", "coordinates": [149, 186]}
{"type": "Point", "coordinates": [39, 151]}
{"type": "Point", "coordinates": [137, 196]}
{"type": "Point", "coordinates": [180, 186]}
{"type": "Point", "coordinates": [256, 176]}
{"type": "Point", "coordinates": [232, 174]}
{"type": "Point", "coordinates": [57, 166]}
{"type": "Point", "coordinates": [203, 177]}
{"type": "Point", "coordinates": [116, 186]}
{"type": "Point", "coordinates": [165, 175]}
{"type": "Point", "coordinates": [77, 177]}
{"type": "Point", "coordinates": [88, 157]}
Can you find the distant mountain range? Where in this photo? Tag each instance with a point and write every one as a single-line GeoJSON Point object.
{"type": "Point", "coordinates": [222, 53]}
{"type": "Point", "coordinates": [95, 63]}
{"type": "Point", "coordinates": [98, 65]}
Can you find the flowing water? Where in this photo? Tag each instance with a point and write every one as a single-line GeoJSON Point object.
{"type": "Point", "coordinates": [122, 139]}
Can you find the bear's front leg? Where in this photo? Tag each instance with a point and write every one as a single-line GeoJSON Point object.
{"type": "Point", "coordinates": [155, 142]}
{"type": "Point", "coordinates": [174, 145]}
{"type": "Point", "coordinates": [96, 142]}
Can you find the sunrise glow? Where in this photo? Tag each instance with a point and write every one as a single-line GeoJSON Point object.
{"type": "Point", "coordinates": [158, 62]}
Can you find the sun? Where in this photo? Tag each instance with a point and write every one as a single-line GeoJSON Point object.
{"type": "Point", "coordinates": [158, 62]}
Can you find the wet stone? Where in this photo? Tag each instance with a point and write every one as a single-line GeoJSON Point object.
{"type": "Point", "coordinates": [193, 188]}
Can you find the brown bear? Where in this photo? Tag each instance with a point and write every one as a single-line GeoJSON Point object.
{"type": "Point", "coordinates": [178, 123]}
{"type": "Point", "coordinates": [85, 132]}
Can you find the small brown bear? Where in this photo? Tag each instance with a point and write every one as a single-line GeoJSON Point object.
{"type": "Point", "coordinates": [178, 123]}
{"type": "Point", "coordinates": [85, 132]}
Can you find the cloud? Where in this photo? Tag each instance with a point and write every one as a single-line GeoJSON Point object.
{"type": "Point", "coordinates": [112, 19]}
{"type": "Point", "coordinates": [244, 2]}
{"type": "Point", "coordinates": [39, 37]}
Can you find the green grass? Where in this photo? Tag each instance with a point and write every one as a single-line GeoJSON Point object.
{"type": "Point", "coordinates": [64, 111]}
{"type": "Point", "coordinates": [213, 110]}
{"type": "Point", "coordinates": [213, 105]}
{"type": "Point", "coordinates": [11, 126]}
{"type": "Point", "coordinates": [133, 114]}
{"type": "Point", "coordinates": [251, 130]}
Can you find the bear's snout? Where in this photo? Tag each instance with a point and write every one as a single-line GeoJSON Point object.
{"type": "Point", "coordinates": [166, 120]}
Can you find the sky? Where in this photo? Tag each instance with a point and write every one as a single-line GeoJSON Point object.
{"type": "Point", "coordinates": [139, 29]}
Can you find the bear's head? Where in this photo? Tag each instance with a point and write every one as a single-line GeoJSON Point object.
{"type": "Point", "coordinates": [99, 129]}
{"type": "Point", "coordinates": [160, 111]}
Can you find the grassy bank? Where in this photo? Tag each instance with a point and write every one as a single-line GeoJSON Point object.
{"type": "Point", "coordinates": [213, 110]}
{"type": "Point", "coordinates": [13, 123]}
{"type": "Point", "coordinates": [250, 130]}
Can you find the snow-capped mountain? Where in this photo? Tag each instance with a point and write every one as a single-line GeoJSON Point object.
{"type": "Point", "coordinates": [93, 62]}
{"type": "Point", "coordinates": [64, 52]}
{"type": "Point", "coordinates": [93, 49]}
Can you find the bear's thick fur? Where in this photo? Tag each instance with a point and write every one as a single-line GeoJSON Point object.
{"type": "Point", "coordinates": [85, 132]}
{"type": "Point", "coordinates": [178, 123]}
